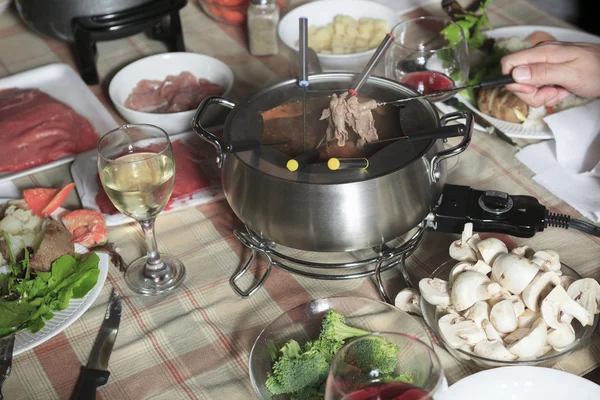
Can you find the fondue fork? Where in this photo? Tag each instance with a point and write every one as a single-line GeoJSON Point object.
{"type": "Point", "coordinates": [442, 132]}
{"type": "Point", "coordinates": [360, 80]}
{"type": "Point", "coordinates": [487, 83]}
{"type": "Point", "coordinates": [303, 75]}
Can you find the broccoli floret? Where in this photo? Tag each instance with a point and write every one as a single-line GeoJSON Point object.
{"type": "Point", "coordinates": [334, 332]}
{"type": "Point", "coordinates": [295, 370]}
{"type": "Point", "coordinates": [375, 354]}
{"type": "Point", "coordinates": [334, 328]}
{"type": "Point", "coordinates": [309, 393]}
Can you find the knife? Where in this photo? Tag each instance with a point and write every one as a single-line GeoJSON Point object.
{"type": "Point", "coordinates": [491, 129]}
{"type": "Point", "coordinates": [95, 373]}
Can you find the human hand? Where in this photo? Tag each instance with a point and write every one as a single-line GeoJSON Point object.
{"type": "Point", "coordinates": [549, 72]}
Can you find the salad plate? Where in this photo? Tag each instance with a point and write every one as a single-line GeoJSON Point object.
{"type": "Point", "coordinates": [523, 383]}
{"type": "Point", "coordinates": [512, 129]}
{"type": "Point", "coordinates": [25, 340]}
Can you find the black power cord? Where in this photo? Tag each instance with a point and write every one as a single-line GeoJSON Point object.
{"type": "Point", "coordinates": [566, 222]}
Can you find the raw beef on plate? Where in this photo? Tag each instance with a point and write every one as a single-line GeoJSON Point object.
{"type": "Point", "coordinates": [36, 128]}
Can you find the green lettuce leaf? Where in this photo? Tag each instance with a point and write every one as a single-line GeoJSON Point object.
{"type": "Point", "coordinates": [14, 313]}
{"type": "Point", "coordinates": [40, 294]}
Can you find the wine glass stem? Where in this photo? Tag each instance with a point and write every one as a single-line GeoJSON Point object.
{"type": "Point", "coordinates": [153, 256]}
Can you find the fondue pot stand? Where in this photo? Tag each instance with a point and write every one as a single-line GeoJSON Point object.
{"type": "Point", "coordinates": [380, 212]}
{"type": "Point", "coordinates": [83, 23]}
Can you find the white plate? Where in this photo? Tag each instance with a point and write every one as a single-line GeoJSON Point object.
{"type": "Point", "coordinates": [26, 340]}
{"type": "Point", "coordinates": [523, 383]}
{"type": "Point", "coordinates": [63, 83]}
{"type": "Point", "coordinates": [522, 31]}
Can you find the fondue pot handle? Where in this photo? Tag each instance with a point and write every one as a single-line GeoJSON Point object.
{"type": "Point", "coordinates": [456, 150]}
{"type": "Point", "coordinates": [220, 145]}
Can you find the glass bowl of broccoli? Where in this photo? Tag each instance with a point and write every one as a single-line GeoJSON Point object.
{"type": "Point", "coordinates": [290, 358]}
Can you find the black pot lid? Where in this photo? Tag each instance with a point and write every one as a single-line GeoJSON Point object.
{"type": "Point", "coordinates": [258, 118]}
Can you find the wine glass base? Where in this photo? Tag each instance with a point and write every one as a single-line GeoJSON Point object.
{"type": "Point", "coordinates": [154, 283]}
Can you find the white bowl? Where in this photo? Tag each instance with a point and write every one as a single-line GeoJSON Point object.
{"type": "Point", "coordinates": [321, 13]}
{"type": "Point", "coordinates": [523, 383]}
{"type": "Point", "coordinates": [158, 67]}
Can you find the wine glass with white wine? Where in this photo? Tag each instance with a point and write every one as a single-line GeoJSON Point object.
{"type": "Point", "coordinates": [137, 170]}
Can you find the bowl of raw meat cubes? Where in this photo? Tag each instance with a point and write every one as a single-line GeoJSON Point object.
{"type": "Point", "coordinates": [166, 89]}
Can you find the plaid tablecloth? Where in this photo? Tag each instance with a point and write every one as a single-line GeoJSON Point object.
{"type": "Point", "coordinates": [195, 343]}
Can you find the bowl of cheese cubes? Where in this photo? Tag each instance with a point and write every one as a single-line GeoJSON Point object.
{"type": "Point", "coordinates": [343, 33]}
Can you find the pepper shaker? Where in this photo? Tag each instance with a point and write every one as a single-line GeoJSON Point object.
{"type": "Point", "coordinates": [263, 17]}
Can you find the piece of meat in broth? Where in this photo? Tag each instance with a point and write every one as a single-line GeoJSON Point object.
{"type": "Point", "coordinates": [360, 119]}
{"type": "Point", "coordinates": [336, 116]}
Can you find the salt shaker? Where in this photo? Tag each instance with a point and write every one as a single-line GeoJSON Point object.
{"type": "Point", "coordinates": [263, 17]}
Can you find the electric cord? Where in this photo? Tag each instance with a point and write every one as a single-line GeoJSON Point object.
{"type": "Point", "coordinates": [566, 222]}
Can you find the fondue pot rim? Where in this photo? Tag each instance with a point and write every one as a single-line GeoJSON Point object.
{"type": "Point", "coordinates": [312, 177]}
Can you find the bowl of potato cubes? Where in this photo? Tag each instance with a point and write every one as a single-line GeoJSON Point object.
{"type": "Point", "coordinates": [343, 33]}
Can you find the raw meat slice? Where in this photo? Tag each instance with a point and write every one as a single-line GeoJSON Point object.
{"type": "Point", "coordinates": [175, 94]}
{"type": "Point", "coordinates": [36, 128]}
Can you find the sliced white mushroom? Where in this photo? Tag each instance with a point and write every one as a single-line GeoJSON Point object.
{"type": "Point", "coordinates": [490, 249]}
{"type": "Point", "coordinates": [518, 305]}
{"type": "Point", "coordinates": [478, 312]}
{"type": "Point", "coordinates": [435, 291]}
{"type": "Point", "coordinates": [493, 349]}
{"type": "Point", "coordinates": [480, 266]}
{"type": "Point", "coordinates": [513, 272]}
{"type": "Point", "coordinates": [543, 351]}
{"type": "Point", "coordinates": [503, 317]}
{"type": "Point", "coordinates": [408, 300]}
{"type": "Point", "coordinates": [458, 331]}
{"type": "Point", "coordinates": [586, 292]}
{"type": "Point", "coordinates": [490, 331]}
{"type": "Point", "coordinates": [548, 260]}
{"type": "Point", "coordinates": [502, 294]}
{"type": "Point", "coordinates": [527, 319]}
{"type": "Point", "coordinates": [559, 301]}
{"type": "Point", "coordinates": [472, 243]}
{"type": "Point", "coordinates": [469, 288]}
{"type": "Point", "coordinates": [566, 281]}
{"type": "Point", "coordinates": [532, 343]}
{"type": "Point", "coordinates": [467, 349]}
{"type": "Point", "coordinates": [457, 270]}
{"type": "Point", "coordinates": [523, 251]}
{"type": "Point", "coordinates": [460, 250]}
{"type": "Point", "coordinates": [562, 337]}
{"type": "Point", "coordinates": [539, 288]}
{"type": "Point", "coordinates": [515, 335]}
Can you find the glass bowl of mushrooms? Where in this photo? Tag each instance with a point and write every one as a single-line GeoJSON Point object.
{"type": "Point", "coordinates": [492, 307]}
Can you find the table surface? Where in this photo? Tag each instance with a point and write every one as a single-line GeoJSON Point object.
{"type": "Point", "coordinates": [195, 343]}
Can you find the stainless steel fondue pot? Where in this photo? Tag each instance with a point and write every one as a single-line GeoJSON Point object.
{"type": "Point", "coordinates": [317, 209]}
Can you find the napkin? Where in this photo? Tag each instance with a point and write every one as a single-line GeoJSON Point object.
{"type": "Point", "coordinates": [569, 165]}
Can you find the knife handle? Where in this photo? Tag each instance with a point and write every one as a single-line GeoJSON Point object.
{"type": "Point", "coordinates": [89, 380]}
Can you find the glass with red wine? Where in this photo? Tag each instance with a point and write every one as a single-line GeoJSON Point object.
{"type": "Point", "coordinates": [358, 372]}
{"type": "Point", "coordinates": [423, 58]}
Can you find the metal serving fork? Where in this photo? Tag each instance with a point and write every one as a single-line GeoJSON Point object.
{"type": "Point", "coordinates": [6, 354]}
